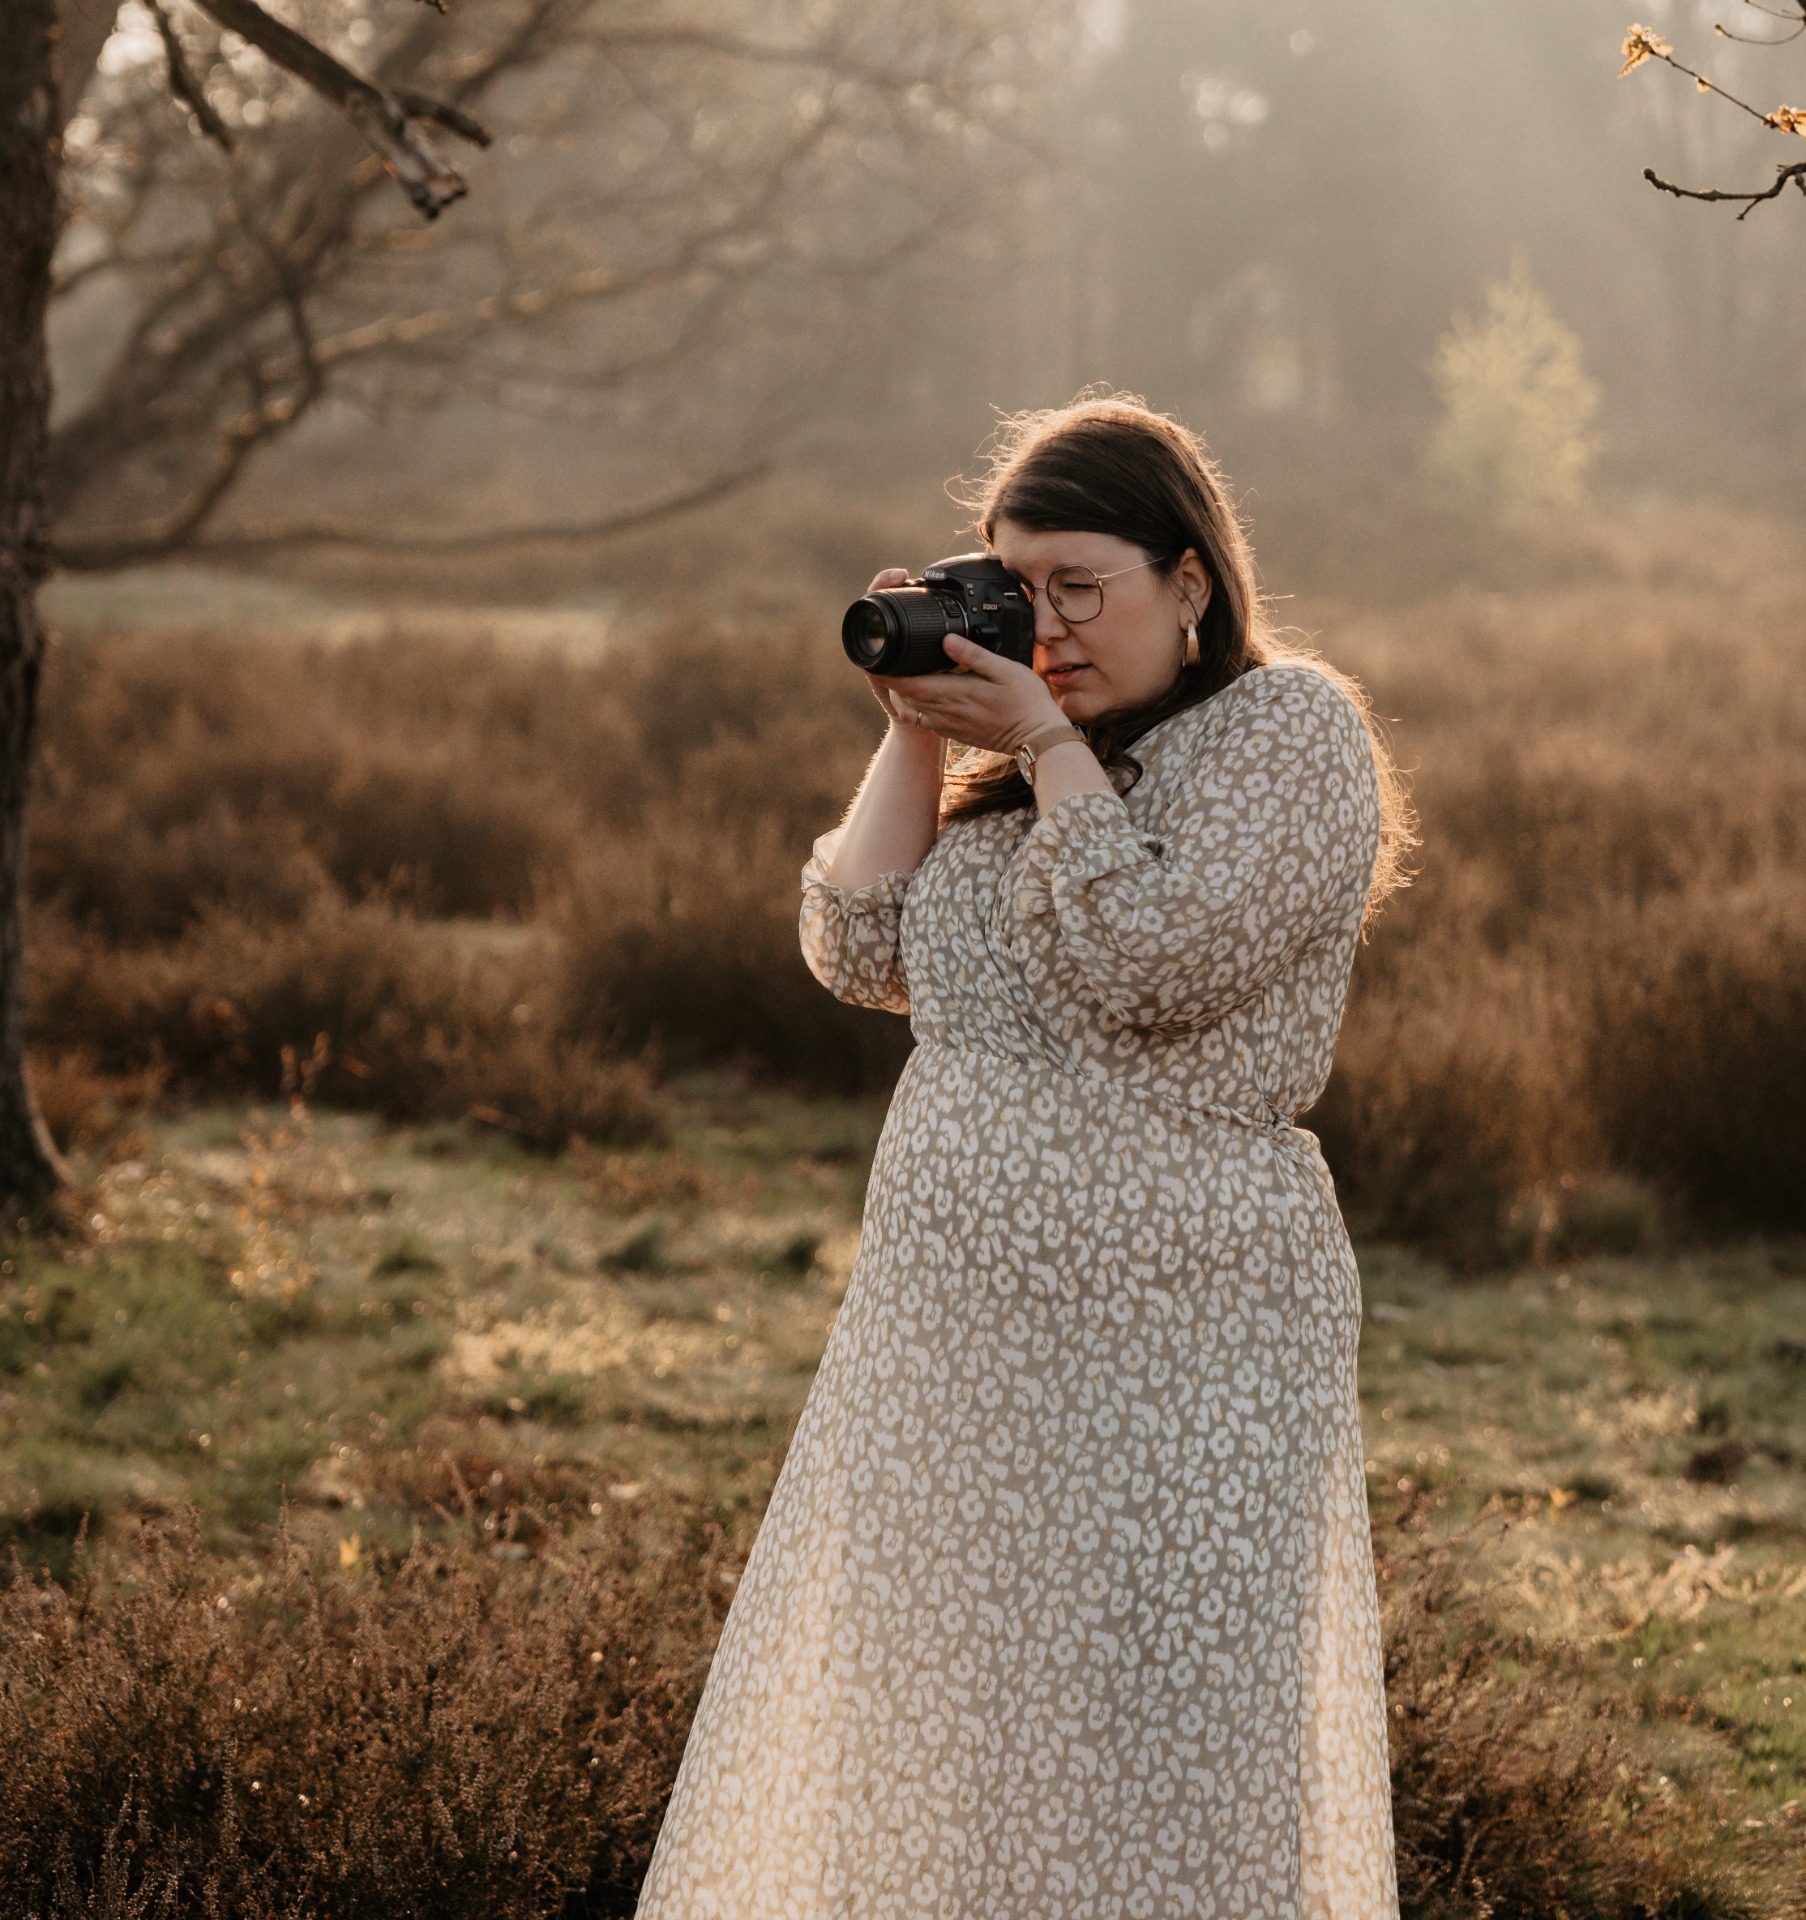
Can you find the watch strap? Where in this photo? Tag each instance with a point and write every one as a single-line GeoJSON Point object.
{"type": "Point", "coordinates": [1056, 734]}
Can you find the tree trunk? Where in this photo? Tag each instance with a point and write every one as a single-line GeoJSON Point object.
{"type": "Point", "coordinates": [83, 27]}
{"type": "Point", "coordinates": [29, 144]}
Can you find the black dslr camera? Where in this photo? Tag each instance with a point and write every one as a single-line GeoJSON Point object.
{"type": "Point", "coordinates": [898, 630]}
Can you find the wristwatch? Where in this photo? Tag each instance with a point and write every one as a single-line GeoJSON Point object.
{"type": "Point", "coordinates": [1040, 741]}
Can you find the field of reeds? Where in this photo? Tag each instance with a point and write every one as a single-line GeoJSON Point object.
{"type": "Point", "coordinates": [467, 1171]}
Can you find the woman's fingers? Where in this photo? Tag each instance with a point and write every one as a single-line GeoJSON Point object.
{"type": "Point", "coordinates": [890, 577]}
{"type": "Point", "coordinates": [887, 687]}
{"type": "Point", "coordinates": [979, 660]}
{"type": "Point", "coordinates": [992, 705]}
{"type": "Point", "coordinates": [970, 722]}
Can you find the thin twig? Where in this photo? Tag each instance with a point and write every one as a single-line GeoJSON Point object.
{"type": "Point", "coordinates": [1708, 85]}
{"type": "Point", "coordinates": [1797, 14]}
{"type": "Point", "coordinates": [1795, 173]}
{"type": "Point", "coordinates": [183, 84]}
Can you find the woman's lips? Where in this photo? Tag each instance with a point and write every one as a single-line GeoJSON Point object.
{"type": "Point", "coordinates": [1064, 676]}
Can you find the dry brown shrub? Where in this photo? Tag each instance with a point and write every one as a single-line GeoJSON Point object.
{"type": "Point", "coordinates": [386, 1013]}
{"type": "Point", "coordinates": [1697, 1046]}
{"type": "Point", "coordinates": [1597, 973]}
{"type": "Point", "coordinates": [177, 778]}
{"type": "Point", "coordinates": [458, 1735]}
{"type": "Point", "coordinates": [550, 1092]}
{"type": "Point", "coordinates": [239, 847]}
{"type": "Point", "coordinates": [1511, 1801]}
{"type": "Point", "coordinates": [481, 1482]}
{"type": "Point", "coordinates": [684, 941]}
{"type": "Point", "coordinates": [680, 931]}
{"type": "Point", "coordinates": [85, 1107]}
{"type": "Point", "coordinates": [204, 800]}
{"type": "Point", "coordinates": [474, 1733]}
{"type": "Point", "coordinates": [1452, 1102]}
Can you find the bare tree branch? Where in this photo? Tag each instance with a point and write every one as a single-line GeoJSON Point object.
{"type": "Point", "coordinates": [721, 176]}
{"type": "Point", "coordinates": [183, 84]}
{"type": "Point", "coordinates": [159, 543]}
{"type": "Point", "coordinates": [389, 121]}
{"type": "Point", "coordinates": [269, 415]}
{"type": "Point", "coordinates": [1643, 44]}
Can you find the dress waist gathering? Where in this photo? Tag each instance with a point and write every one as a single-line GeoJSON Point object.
{"type": "Point", "coordinates": [1271, 1122]}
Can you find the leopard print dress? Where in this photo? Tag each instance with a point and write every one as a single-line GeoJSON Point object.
{"type": "Point", "coordinates": [1064, 1607]}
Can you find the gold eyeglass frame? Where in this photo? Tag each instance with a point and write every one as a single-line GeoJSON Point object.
{"type": "Point", "coordinates": [1097, 580]}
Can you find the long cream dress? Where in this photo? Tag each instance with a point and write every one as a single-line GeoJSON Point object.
{"type": "Point", "coordinates": [1063, 1608]}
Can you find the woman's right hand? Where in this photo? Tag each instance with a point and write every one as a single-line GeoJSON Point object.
{"type": "Point", "coordinates": [894, 577]}
{"type": "Point", "coordinates": [896, 813]}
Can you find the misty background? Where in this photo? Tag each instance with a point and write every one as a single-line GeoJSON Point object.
{"type": "Point", "coordinates": [1262, 217]}
{"type": "Point", "coordinates": [443, 692]}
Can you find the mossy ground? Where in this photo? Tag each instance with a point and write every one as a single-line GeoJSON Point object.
{"type": "Point", "coordinates": [1617, 1449]}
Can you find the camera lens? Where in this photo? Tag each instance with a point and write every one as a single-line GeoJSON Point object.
{"type": "Point", "coordinates": [899, 630]}
{"type": "Point", "coordinates": [863, 633]}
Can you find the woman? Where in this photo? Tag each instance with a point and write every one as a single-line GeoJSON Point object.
{"type": "Point", "coordinates": [1064, 1603]}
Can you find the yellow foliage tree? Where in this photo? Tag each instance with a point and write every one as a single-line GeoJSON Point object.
{"type": "Point", "coordinates": [1517, 405]}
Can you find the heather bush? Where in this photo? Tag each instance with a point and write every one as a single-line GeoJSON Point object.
{"type": "Point", "coordinates": [237, 850]}
{"type": "Point", "coordinates": [1449, 1105]}
{"type": "Point", "coordinates": [180, 778]}
{"type": "Point", "coordinates": [1509, 1801]}
{"type": "Point", "coordinates": [1596, 974]}
{"type": "Point", "coordinates": [460, 1734]}
{"type": "Point", "coordinates": [1697, 1047]}
{"type": "Point", "coordinates": [685, 942]}
{"type": "Point", "coordinates": [485, 875]}
{"type": "Point", "coordinates": [467, 1732]}
{"type": "Point", "coordinates": [354, 1004]}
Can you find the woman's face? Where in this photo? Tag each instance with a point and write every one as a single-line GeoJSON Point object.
{"type": "Point", "coordinates": [1130, 653]}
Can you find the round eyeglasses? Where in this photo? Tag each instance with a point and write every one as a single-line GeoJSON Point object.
{"type": "Point", "coordinates": [1076, 594]}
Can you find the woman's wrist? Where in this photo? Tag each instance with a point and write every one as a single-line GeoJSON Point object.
{"type": "Point", "coordinates": [917, 742]}
{"type": "Point", "coordinates": [1042, 721]}
{"type": "Point", "coordinates": [1065, 768]}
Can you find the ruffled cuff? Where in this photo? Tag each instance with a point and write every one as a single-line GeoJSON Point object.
{"type": "Point", "coordinates": [1079, 839]}
{"type": "Point", "coordinates": [851, 938]}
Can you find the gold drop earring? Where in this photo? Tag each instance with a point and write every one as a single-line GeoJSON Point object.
{"type": "Point", "coordinates": [1190, 656]}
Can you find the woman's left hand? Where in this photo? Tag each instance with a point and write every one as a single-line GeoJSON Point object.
{"type": "Point", "coordinates": [994, 703]}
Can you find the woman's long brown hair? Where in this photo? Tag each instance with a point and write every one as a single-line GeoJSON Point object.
{"type": "Point", "coordinates": [1112, 465]}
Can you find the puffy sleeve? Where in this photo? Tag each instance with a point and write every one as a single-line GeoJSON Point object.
{"type": "Point", "coordinates": [852, 941]}
{"type": "Point", "coordinates": [1268, 845]}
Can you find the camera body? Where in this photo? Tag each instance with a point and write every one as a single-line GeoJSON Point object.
{"type": "Point", "coordinates": [897, 631]}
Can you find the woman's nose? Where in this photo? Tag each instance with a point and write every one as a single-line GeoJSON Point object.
{"type": "Point", "coordinates": [1049, 627]}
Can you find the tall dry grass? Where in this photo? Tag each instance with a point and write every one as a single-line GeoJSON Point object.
{"type": "Point", "coordinates": [517, 884]}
